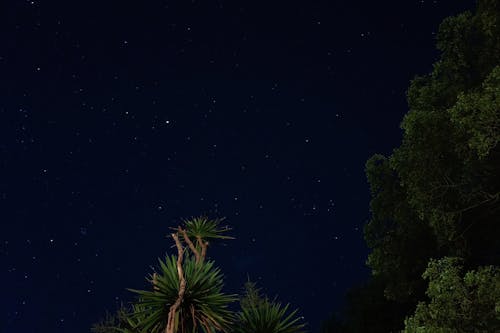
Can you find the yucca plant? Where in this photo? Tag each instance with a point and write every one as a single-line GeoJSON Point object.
{"type": "Point", "coordinates": [260, 315]}
{"type": "Point", "coordinates": [197, 232]}
{"type": "Point", "coordinates": [203, 305]}
{"type": "Point", "coordinates": [187, 291]}
{"type": "Point", "coordinates": [187, 297]}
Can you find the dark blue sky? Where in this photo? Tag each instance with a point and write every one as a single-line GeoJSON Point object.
{"type": "Point", "coordinates": [119, 119]}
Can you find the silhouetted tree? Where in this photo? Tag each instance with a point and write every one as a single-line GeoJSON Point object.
{"type": "Point", "coordinates": [438, 194]}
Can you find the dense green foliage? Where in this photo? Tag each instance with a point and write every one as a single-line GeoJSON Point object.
{"type": "Point", "coordinates": [401, 242]}
{"type": "Point", "coordinates": [438, 194]}
{"type": "Point", "coordinates": [187, 295]}
{"type": "Point", "coordinates": [458, 304]}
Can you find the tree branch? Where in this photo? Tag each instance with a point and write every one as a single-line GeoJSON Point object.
{"type": "Point", "coordinates": [182, 286]}
{"type": "Point", "coordinates": [203, 246]}
{"type": "Point", "coordinates": [190, 244]}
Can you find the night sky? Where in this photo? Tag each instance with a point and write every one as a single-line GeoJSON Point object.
{"type": "Point", "coordinates": [118, 119]}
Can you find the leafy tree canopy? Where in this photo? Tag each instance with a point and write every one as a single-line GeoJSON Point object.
{"type": "Point", "coordinates": [458, 303]}
{"type": "Point", "coordinates": [438, 194]}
